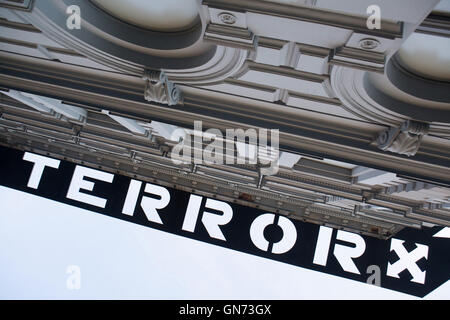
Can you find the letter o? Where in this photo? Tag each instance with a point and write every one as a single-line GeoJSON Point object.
{"type": "Point", "coordinates": [257, 233]}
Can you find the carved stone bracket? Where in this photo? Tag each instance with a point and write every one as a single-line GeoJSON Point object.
{"type": "Point", "coordinates": [404, 140]}
{"type": "Point", "coordinates": [159, 89]}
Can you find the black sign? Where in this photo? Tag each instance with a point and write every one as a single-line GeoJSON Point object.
{"type": "Point", "coordinates": [413, 261]}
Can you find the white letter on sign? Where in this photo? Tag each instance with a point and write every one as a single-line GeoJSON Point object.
{"type": "Point", "coordinates": [132, 197]}
{"type": "Point", "coordinates": [323, 246]}
{"type": "Point", "coordinates": [407, 260]}
{"type": "Point", "coordinates": [210, 220]}
{"type": "Point", "coordinates": [40, 162]}
{"type": "Point", "coordinates": [149, 205]}
{"type": "Point", "coordinates": [343, 254]}
{"type": "Point", "coordinates": [78, 183]}
{"type": "Point", "coordinates": [257, 233]}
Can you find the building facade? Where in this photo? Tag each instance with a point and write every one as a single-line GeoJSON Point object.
{"type": "Point", "coordinates": [352, 97]}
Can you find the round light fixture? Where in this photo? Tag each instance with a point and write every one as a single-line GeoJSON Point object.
{"type": "Point", "coordinates": [369, 44]}
{"type": "Point", "coordinates": [158, 15]}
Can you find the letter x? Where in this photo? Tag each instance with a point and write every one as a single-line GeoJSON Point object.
{"type": "Point", "coordinates": [407, 260]}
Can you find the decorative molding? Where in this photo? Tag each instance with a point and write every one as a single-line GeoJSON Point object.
{"type": "Point", "coordinates": [299, 56]}
{"type": "Point", "coordinates": [358, 58]}
{"type": "Point", "coordinates": [407, 187]}
{"type": "Point", "coordinates": [404, 140]}
{"type": "Point", "coordinates": [416, 85]}
{"type": "Point", "coordinates": [311, 3]}
{"type": "Point", "coordinates": [159, 89]}
{"type": "Point", "coordinates": [282, 71]}
{"type": "Point", "coordinates": [116, 44]}
{"type": "Point", "coordinates": [224, 64]}
{"type": "Point", "coordinates": [213, 65]}
{"type": "Point", "coordinates": [290, 55]}
{"type": "Point", "coordinates": [286, 78]}
{"type": "Point", "coordinates": [24, 5]}
{"type": "Point", "coordinates": [435, 24]}
{"type": "Point", "coordinates": [229, 28]}
{"type": "Point", "coordinates": [230, 36]}
{"type": "Point", "coordinates": [367, 100]}
{"type": "Point", "coordinates": [302, 134]}
{"type": "Point", "coordinates": [309, 13]}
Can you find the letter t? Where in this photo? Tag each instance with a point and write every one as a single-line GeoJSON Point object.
{"type": "Point", "coordinates": [40, 162]}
